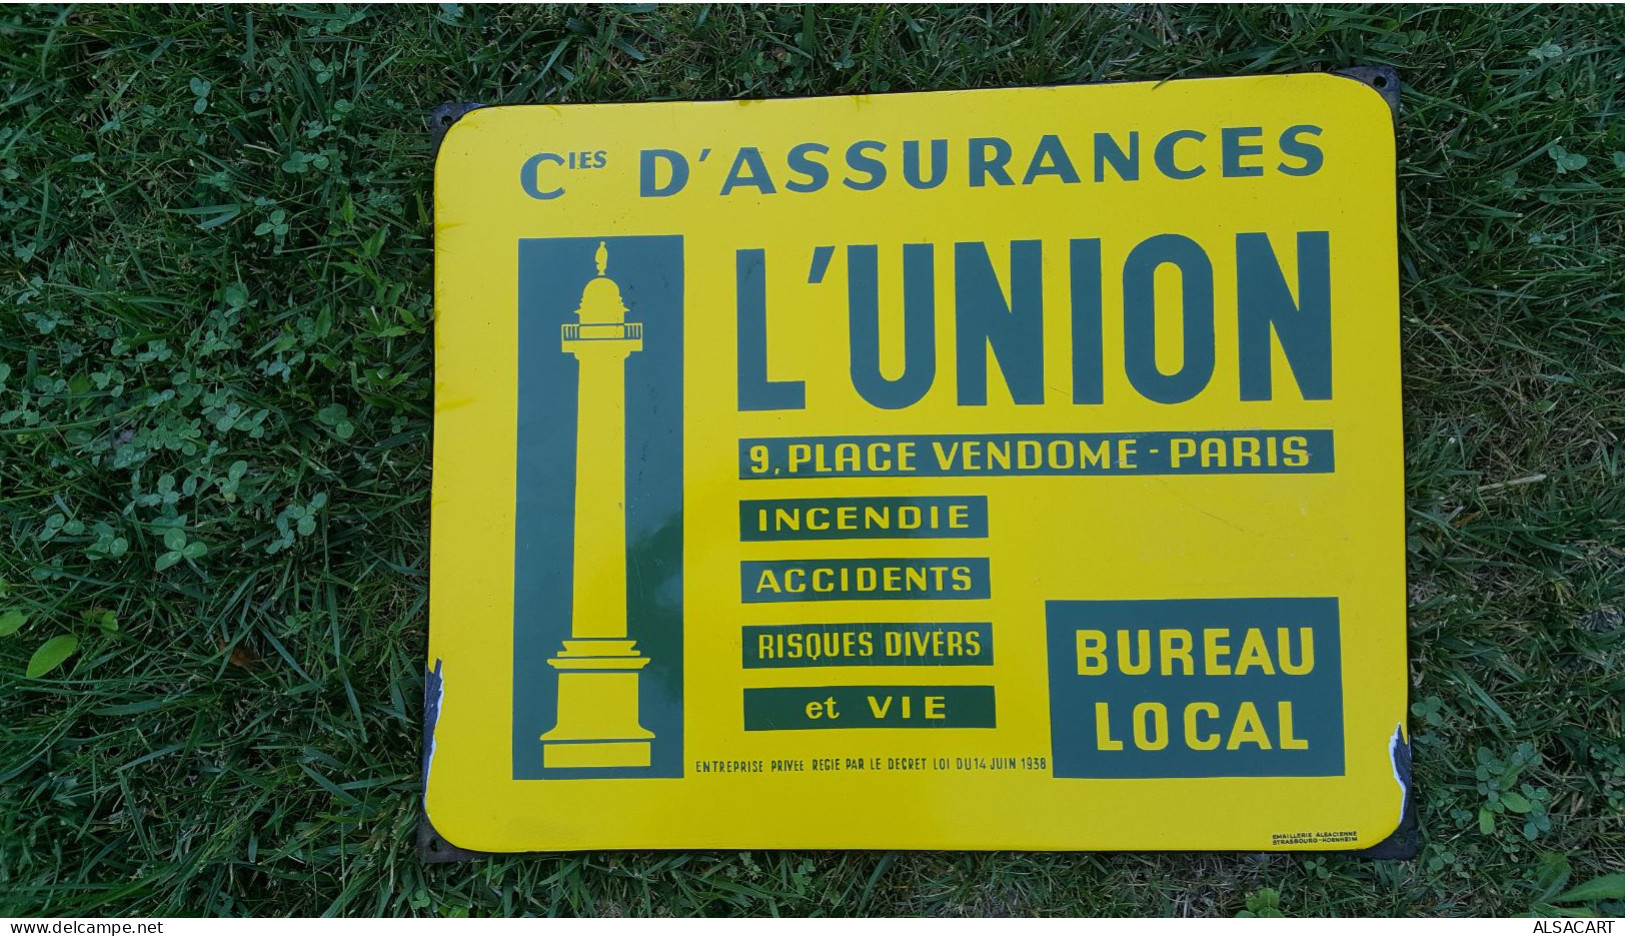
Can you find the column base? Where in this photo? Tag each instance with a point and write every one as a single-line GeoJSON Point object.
{"type": "Point", "coordinates": [598, 754]}
{"type": "Point", "coordinates": [598, 725]}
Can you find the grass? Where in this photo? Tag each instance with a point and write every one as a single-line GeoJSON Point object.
{"type": "Point", "coordinates": [215, 315]}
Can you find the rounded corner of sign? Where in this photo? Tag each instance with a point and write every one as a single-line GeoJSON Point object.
{"type": "Point", "coordinates": [451, 824]}
{"type": "Point", "coordinates": [1383, 834]}
{"type": "Point", "coordinates": [1380, 823]}
{"type": "Point", "coordinates": [443, 840]}
{"type": "Point", "coordinates": [446, 148]}
{"type": "Point", "coordinates": [1373, 94]}
{"type": "Point", "coordinates": [454, 123]}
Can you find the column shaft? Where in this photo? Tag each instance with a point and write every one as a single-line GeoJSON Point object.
{"type": "Point", "coordinates": [600, 512]}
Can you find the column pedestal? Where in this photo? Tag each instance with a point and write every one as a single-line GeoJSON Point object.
{"type": "Point", "coordinates": [598, 707]}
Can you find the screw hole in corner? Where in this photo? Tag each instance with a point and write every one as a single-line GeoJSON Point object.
{"type": "Point", "coordinates": [435, 843]}
{"type": "Point", "coordinates": [1380, 82]}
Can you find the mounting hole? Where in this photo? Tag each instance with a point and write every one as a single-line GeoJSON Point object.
{"type": "Point", "coordinates": [1380, 82]}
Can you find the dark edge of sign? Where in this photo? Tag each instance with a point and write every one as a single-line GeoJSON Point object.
{"type": "Point", "coordinates": [432, 847]}
{"type": "Point", "coordinates": [1406, 840]}
{"type": "Point", "coordinates": [442, 117]}
{"type": "Point", "coordinates": [1402, 844]}
{"type": "Point", "coordinates": [1383, 79]}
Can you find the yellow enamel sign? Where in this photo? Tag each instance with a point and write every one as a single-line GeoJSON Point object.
{"type": "Point", "coordinates": [988, 469]}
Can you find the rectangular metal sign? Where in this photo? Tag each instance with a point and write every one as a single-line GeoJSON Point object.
{"type": "Point", "coordinates": [987, 469]}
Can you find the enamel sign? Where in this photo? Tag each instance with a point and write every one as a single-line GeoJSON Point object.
{"type": "Point", "coordinates": [1010, 469]}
